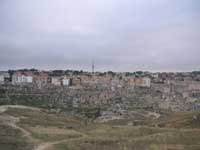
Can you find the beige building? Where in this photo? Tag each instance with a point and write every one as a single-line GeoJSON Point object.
{"type": "Point", "coordinates": [76, 81]}
{"type": "Point", "coordinates": [195, 85]}
{"type": "Point", "coordinates": [41, 80]}
{"type": "Point", "coordinates": [146, 82]}
{"type": "Point", "coordinates": [56, 81]}
{"type": "Point", "coordinates": [2, 78]}
{"type": "Point", "coordinates": [138, 81]}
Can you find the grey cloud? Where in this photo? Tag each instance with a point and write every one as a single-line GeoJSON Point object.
{"type": "Point", "coordinates": [120, 35]}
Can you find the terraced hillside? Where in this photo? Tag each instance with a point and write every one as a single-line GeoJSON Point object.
{"type": "Point", "coordinates": [26, 128]}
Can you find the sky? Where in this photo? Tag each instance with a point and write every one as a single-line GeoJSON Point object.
{"type": "Point", "coordinates": [118, 35]}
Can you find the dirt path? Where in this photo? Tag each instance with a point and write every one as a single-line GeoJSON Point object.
{"type": "Point", "coordinates": [12, 121]}
{"type": "Point", "coordinates": [5, 107]}
{"type": "Point", "coordinates": [47, 145]}
{"type": "Point", "coordinates": [26, 133]}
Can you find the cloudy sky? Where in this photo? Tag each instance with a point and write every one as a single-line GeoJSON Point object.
{"type": "Point", "coordinates": [119, 35]}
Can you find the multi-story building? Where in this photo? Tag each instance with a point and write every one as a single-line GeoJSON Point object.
{"type": "Point", "coordinates": [66, 81]}
{"type": "Point", "coordinates": [19, 78]}
{"type": "Point", "coordinates": [3, 77]}
{"type": "Point", "coordinates": [56, 81]}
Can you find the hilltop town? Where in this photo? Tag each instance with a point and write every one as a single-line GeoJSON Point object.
{"type": "Point", "coordinates": [73, 78]}
{"type": "Point", "coordinates": [110, 95]}
{"type": "Point", "coordinates": [60, 110]}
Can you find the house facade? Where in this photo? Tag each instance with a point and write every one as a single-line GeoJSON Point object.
{"type": "Point", "coordinates": [4, 76]}
{"type": "Point", "coordinates": [19, 78]}
{"type": "Point", "coordinates": [66, 81]}
{"type": "Point", "coordinates": [56, 81]}
{"type": "Point", "coordinates": [139, 81]}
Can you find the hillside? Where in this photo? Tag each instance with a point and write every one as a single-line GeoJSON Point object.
{"type": "Point", "coordinates": [25, 128]}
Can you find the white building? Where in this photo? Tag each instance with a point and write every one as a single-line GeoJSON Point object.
{"type": "Point", "coordinates": [29, 79]}
{"type": "Point", "coordinates": [19, 78]}
{"type": "Point", "coordinates": [56, 81]}
{"type": "Point", "coordinates": [155, 75]}
{"type": "Point", "coordinates": [146, 82]}
{"type": "Point", "coordinates": [66, 82]}
{"type": "Point", "coordinates": [3, 76]}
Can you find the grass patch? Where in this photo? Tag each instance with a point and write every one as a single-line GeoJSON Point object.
{"type": "Point", "coordinates": [50, 134]}
{"type": "Point", "coordinates": [28, 100]}
{"type": "Point", "coordinates": [62, 146]}
{"type": "Point", "coordinates": [42, 118]}
{"type": "Point", "coordinates": [177, 132]}
{"type": "Point", "coordinates": [141, 140]}
{"type": "Point", "coordinates": [51, 137]}
{"type": "Point", "coordinates": [13, 139]}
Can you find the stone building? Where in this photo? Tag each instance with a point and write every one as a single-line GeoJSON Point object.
{"type": "Point", "coordinates": [41, 80]}
{"type": "Point", "coordinates": [56, 81]}
{"type": "Point", "coordinates": [3, 77]}
{"type": "Point", "coordinates": [146, 82]}
{"type": "Point", "coordinates": [76, 81]}
{"type": "Point", "coordinates": [139, 81]}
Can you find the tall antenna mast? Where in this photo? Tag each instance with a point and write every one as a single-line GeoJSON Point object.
{"type": "Point", "coordinates": [93, 67]}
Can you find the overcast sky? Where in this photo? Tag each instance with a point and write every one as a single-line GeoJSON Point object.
{"type": "Point", "coordinates": [119, 35]}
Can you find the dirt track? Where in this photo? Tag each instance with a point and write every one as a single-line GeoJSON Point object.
{"type": "Point", "coordinates": [12, 122]}
{"type": "Point", "coordinates": [5, 107]}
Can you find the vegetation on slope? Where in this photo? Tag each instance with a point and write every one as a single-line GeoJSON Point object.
{"type": "Point", "coordinates": [179, 131]}
{"type": "Point", "coordinates": [11, 138]}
